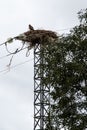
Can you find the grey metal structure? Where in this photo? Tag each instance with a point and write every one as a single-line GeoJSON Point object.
{"type": "Point", "coordinates": [41, 91]}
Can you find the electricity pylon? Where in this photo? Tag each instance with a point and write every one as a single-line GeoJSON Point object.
{"type": "Point", "coordinates": [41, 90]}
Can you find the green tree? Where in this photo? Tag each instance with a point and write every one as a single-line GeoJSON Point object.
{"type": "Point", "coordinates": [67, 63]}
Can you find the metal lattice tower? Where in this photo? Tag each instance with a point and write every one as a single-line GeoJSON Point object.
{"type": "Point", "coordinates": [41, 91]}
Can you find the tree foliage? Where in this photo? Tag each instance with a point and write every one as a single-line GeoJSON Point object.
{"type": "Point", "coordinates": [67, 63]}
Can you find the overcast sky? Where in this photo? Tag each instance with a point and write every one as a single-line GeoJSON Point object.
{"type": "Point", "coordinates": [16, 86]}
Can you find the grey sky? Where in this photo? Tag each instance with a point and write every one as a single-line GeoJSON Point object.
{"type": "Point", "coordinates": [16, 87]}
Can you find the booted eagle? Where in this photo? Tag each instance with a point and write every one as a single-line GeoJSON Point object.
{"type": "Point", "coordinates": [31, 28]}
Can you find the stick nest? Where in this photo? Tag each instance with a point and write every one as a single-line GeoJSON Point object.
{"type": "Point", "coordinates": [36, 36]}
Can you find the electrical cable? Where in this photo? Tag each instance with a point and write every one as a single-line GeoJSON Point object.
{"type": "Point", "coordinates": [13, 53]}
{"type": "Point", "coordinates": [14, 66]}
{"type": "Point", "coordinates": [64, 29]}
{"type": "Point", "coordinates": [8, 41]}
{"type": "Point", "coordinates": [3, 43]}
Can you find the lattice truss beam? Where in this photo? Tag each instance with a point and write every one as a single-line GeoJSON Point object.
{"type": "Point", "coordinates": [41, 90]}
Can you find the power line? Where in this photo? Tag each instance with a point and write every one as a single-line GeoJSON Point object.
{"type": "Point", "coordinates": [2, 57]}
{"type": "Point", "coordinates": [64, 29]}
{"type": "Point", "coordinates": [8, 41]}
{"type": "Point", "coordinates": [3, 43]}
{"type": "Point", "coordinates": [14, 66]}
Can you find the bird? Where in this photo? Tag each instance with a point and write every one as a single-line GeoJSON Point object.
{"type": "Point", "coordinates": [31, 28]}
